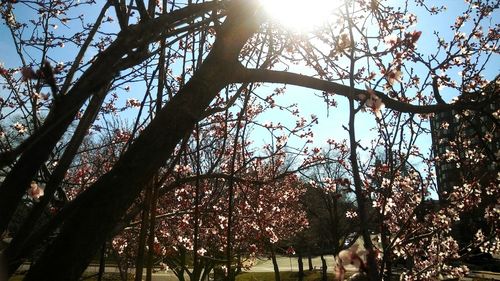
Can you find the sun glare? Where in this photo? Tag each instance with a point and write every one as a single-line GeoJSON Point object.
{"type": "Point", "coordinates": [300, 15]}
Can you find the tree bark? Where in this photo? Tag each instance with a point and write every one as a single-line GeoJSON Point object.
{"type": "Point", "coordinates": [301, 267]}
{"type": "Point", "coordinates": [372, 268]}
{"type": "Point", "coordinates": [324, 267]}
{"type": "Point", "coordinates": [141, 250]}
{"type": "Point", "coordinates": [275, 265]}
{"type": "Point", "coordinates": [152, 225]}
{"type": "Point", "coordinates": [106, 201]}
{"type": "Point", "coordinates": [16, 251]}
{"type": "Point", "coordinates": [386, 269]}
{"type": "Point", "coordinates": [126, 51]}
{"type": "Point", "coordinates": [102, 262]}
{"type": "Point", "coordinates": [361, 196]}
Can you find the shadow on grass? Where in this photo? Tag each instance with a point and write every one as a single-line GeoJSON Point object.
{"type": "Point", "coordinates": [285, 276]}
{"type": "Point", "coordinates": [87, 277]}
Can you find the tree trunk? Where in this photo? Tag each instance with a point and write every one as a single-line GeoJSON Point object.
{"type": "Point", "coordinates": [20, 176]}
{"type": "Point", "coordinates": [151, 238]}
{"type": "Point", "coordinates": [143, 234]}
{"type": "Point", "coordinates": [94, 80]}
{"type": "Point", "coordinates": [118, 56]}
{"type": "Point", "coordinates": [324, 267]}
{"type": "Point", "coordinates": [14, 254]}
{"type": "Point", "coordinates": [301, 267]}
{"type": "Point", "coordinates": [238, 267]}
{"type": "Point", "coordinates": [386, 260]}
{"type": "Point", "coordinates": [122, 268]}
{"type": "Point", "coordinates": [361, 196]}
{"type": "Point", "coordinates": [310, 262]}
{"type": "Point", "coordinates": [178, 267]}
{"type": "Point", "coordinates": [101, 206]}
{"type": "Point", "coordinates": [206, 271]}
{"type": "Point", "coordinates": [218, 274]}
{"type": "Point", "coordinates": [275, 265]}
{"type": "Point", "coordinates": [102, 263]}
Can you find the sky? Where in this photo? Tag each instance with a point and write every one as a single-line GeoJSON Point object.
{"type": "Point", "coordinates": [330, 121]}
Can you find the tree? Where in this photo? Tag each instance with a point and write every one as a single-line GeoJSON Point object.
{"type": "Point", "coordinates": [227, 34]}
{"type": "Point", "coordinates": [193, 219]}
{"type": "Point", "coordinates": [329, 203]}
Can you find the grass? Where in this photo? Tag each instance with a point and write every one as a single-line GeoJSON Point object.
{"type": "Point", "coordinates": [292, 276]}
{"type": "Point", "coordinates": [285, 276]}
{"type": "Point", "coordinates": [246, 276]}
{"type": "Point", "coordinates": [93, 277]}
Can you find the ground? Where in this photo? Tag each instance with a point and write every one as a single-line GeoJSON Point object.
{"type": "Point", "coordinates": [263, 271]}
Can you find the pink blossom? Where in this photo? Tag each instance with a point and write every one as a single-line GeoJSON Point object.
{"type": "Point", "coordinates": [20, 128]}
{"type": "Point", "coordinates": [393, 75]}
{"type": "Point", "coordinates": [391, 40]}
{"type": "Point", "coordinates": [373, 102]}
{"type": "Point", "coordinates": [133, 103]}
{"type": "Point", "coordinates": [35, 191]}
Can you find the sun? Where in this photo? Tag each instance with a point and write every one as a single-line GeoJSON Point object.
{"type": "Point", "coordinates": [301, 15]}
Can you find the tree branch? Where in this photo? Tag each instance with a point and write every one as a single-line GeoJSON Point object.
{"type": "Point", "coordinates": [246, 75]}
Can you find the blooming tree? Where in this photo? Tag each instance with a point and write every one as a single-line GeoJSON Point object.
{"type": "Point", "coordinates": [175, 64]}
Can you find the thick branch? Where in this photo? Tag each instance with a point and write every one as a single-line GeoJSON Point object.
{"type": "Point", "coordinates": [283, 77]}
{"type": "Point", "coordinates": [142, 10]}
{"type": "Point", "coordinates": [16, 249]}
{"type": "Point", "coordinates": [101, 206]}
{"type": "Point", "coordinates": [121, 13]}
{"type": "Point", "coordinates": [93, 80]}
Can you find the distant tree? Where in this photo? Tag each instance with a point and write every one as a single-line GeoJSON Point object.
{"type": "Point", "coordinates": [191, 235]}
{"type": "Point", "coordinates": [329, 203]}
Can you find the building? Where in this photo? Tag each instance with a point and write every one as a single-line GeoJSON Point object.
{"type": "Point", "coordinates": [466, 146]}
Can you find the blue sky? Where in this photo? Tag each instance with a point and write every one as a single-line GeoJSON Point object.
{"type": "Point", "coordinates": [330, 122]}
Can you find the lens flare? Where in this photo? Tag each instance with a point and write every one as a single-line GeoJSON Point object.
{"type": "Point", "coordinates": [300, 15]}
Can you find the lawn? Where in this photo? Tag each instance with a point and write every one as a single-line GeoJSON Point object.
{"type": "Point", "coordinates": [285, 276]}
{"type": "Point", "coordinates": [292, 276]}
{"type": "Point", "coordinates": [93, 277]}
{"type": "Point", "coordinates": [246, 276]}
